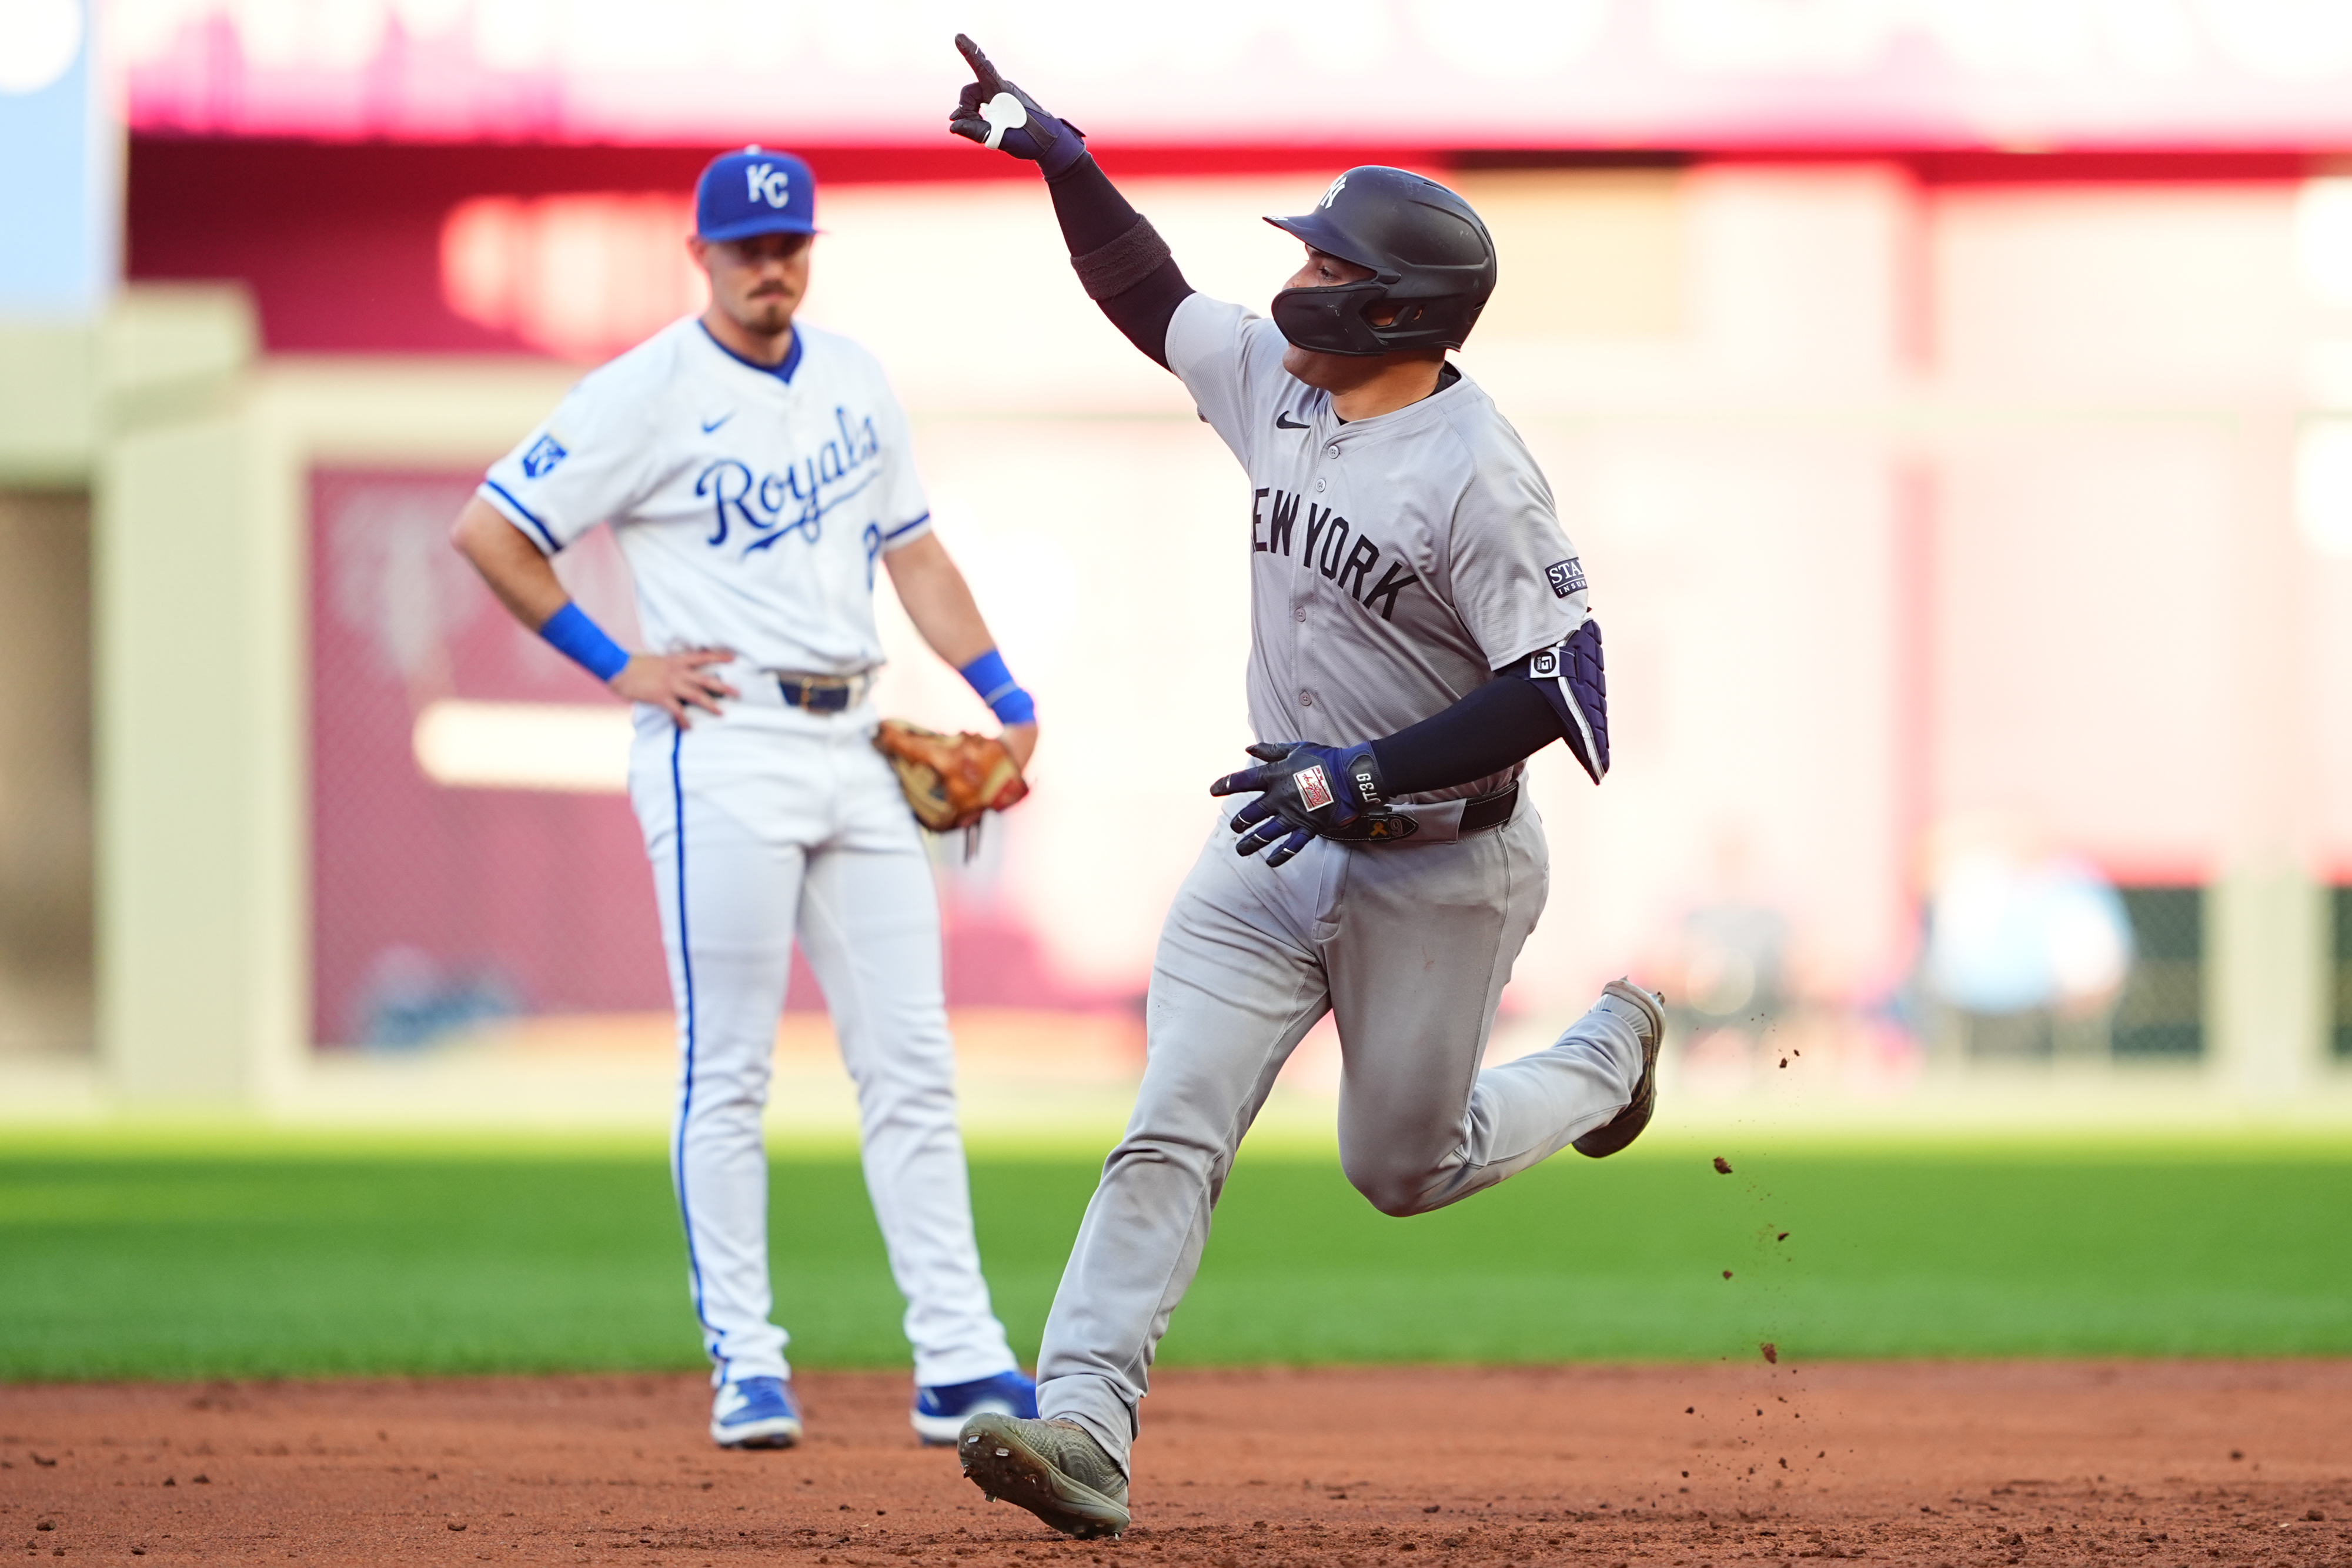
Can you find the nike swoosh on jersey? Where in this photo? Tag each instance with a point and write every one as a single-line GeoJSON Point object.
{"type": "Point", "coordinates": [710, 424]}
{"type": "Point", "coordinates": [1283, 422]}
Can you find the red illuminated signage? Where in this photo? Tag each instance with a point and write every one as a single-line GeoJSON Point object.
{"type": "Point", "coordinates": [1650, 73]}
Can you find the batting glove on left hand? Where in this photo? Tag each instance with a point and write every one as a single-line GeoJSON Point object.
{"type": "Point", "coordinates": [1307, 791]}
{"type": "Point", "coordinates": [994, 113]}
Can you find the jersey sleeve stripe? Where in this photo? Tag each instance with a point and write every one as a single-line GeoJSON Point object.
{"type": "Point", "coordinates": [907, 528]}
{"type": "Point", "coordinates": [516, 509]}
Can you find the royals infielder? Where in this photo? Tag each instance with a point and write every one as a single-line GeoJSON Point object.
{"type": "Point", "coordinates": [756, 473]}
{"type": "Point", "coordinates": [1419, 628]}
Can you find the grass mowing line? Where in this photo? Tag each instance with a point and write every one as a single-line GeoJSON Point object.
{"type": "Point", "coordinates": [213, 1139]}
{"type": "Point", "coordinates": [357, 1260]}
{"type": "Point", "coordinates": [204, 1142]}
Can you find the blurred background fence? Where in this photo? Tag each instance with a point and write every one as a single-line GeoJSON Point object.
{"type": "Point", "coordinates": [1954, 413]}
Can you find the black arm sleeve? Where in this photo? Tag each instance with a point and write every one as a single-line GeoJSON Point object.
{"type": "Point", "coordinates": [1109, 242]}
{"type": "Point", "coordinates": [1092, 211]}
{"type": "Point", "coordinates": [1500, 723]}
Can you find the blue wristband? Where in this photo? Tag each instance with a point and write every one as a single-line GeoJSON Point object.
{"type": "Point", "coordinates": [569, 633]}
{"type": "Point", "coordinates": [999, 690]}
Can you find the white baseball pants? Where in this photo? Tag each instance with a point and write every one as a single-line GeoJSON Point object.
{"type": "Point", "coordinates": [758, 824]}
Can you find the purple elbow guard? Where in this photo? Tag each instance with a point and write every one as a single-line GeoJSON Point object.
{"type": "Point", "coordinates": [1571, 674]}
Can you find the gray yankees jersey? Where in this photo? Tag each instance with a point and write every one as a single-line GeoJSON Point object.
{"type": "Point", "coordinates": [1396, 563]}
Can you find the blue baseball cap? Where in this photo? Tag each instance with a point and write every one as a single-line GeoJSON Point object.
{"type": "Point", "coordinates": [755, 192]}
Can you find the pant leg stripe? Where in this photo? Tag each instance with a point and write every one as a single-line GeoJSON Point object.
{"type": "Point", "coordinates": [685, 1099]}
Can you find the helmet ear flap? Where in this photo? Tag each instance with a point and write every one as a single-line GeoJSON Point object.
{"type": "Point", "coordinates": [1337, 320]}
{"type": "Point", "coordinates": [1331, 320]}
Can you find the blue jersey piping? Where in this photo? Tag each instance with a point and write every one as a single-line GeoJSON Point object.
{"type": "Point", "coordinates": [552, 545]}
{"type": "Point", "coordinates": [783, 372]}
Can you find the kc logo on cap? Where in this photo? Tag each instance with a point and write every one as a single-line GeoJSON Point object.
{"type": "Point", "coordinates": [755, 192]}
{"type": "Point", "coordinates": [768, 184]}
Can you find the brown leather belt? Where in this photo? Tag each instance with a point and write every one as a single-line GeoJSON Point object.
{"type": "Point", "coordinates": [822, 694]}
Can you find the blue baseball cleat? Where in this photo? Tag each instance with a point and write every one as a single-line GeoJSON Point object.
{"type": "Point", "coordinates": [942, 1411]}
{"type": "Point", "coordinates": [755, 1412]}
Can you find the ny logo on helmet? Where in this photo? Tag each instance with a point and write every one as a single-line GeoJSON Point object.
{"type": "Point", "coordinates": [1332, 195]}
{"type": "Point", "coordinates": [767, 183]}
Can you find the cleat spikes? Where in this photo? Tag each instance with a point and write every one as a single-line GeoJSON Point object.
{"type": "Point", "coordinates": [1052, 1470]}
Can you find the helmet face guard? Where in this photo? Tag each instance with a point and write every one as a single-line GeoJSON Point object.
{"type": "Point", "coordinates": [1432, 266]}
{"type": "Point", "coordinates": [1333, 320]}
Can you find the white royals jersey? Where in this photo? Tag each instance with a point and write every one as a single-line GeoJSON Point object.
{"type": "Point", "coordinates": [754, 505]}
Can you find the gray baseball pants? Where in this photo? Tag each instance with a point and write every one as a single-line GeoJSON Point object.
{"type": "Point", "coordinates": [1410, 944]}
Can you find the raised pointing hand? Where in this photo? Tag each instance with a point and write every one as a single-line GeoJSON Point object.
{"type": "Point", "coordinates": [986, 75]}
{"type": "Point", "coordinates": [1000, 116]}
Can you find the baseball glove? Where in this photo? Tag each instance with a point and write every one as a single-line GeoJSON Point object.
{"type": "Point", "coordinates": [951, 780]}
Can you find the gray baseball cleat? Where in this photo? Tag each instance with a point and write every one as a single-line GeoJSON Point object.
{"type": "Point", "coordinates": [1053, 1468]}
{"type": "Point", "coordinates": [1627, 1124]}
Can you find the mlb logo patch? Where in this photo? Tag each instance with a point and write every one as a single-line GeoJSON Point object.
{"type": "Point", "coordinates": [1314, 787]}
{"type": "Point", "coordinates": [1566, 577]}
{"type": "Point", "coordinates": [544, 455]}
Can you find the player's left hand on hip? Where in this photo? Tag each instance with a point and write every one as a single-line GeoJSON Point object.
{"type": "Point", "coordinates": [994, 113]}
{"type": "Point", "coordinates": [1304, 792]}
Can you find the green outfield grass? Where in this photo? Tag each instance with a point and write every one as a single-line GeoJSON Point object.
{"type": "Point", "coordinates": [146, 1258]}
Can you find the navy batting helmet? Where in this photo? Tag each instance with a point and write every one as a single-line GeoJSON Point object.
{"type": "Point", "coordinates": [1433, 262]}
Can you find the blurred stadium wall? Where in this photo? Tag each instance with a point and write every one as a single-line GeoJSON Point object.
{"type": "Point", "coordinates": [1954, 404]}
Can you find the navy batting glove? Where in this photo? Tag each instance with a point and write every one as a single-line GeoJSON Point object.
{"type": "Point", "coordinates": [994, 113]}
{"type": "Point", "coordinates": [1303, 791]}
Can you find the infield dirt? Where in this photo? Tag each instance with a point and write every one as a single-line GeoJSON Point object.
{"type": "Point", "coordinates": [1938, 1464]}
